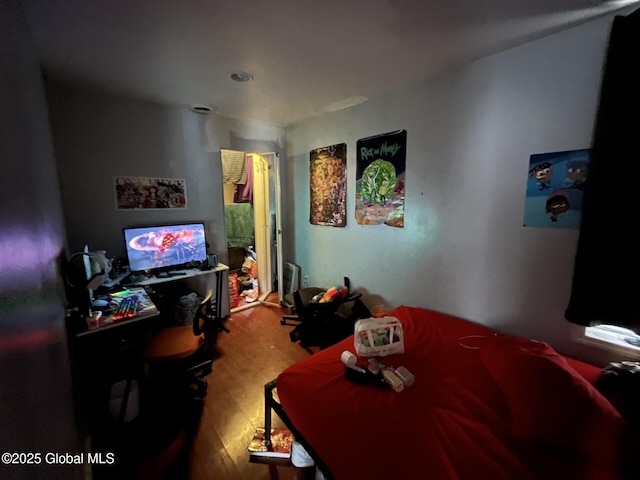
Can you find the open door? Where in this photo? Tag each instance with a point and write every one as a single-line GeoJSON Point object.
{"type": "Point", "coordinates": [268, 233]}
{"type": "Point", "coordinates": [265, 187]}
{"type": "Point", "coordinates": [278, 230]}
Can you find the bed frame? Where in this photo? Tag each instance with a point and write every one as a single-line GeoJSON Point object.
{"type": "Point", "coordinates": [271, 404]}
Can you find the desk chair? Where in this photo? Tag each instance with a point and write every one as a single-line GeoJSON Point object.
{"type": "Point", "coordinates": [296, 302]}
{"type": "Point", "coordinates": [320, 323]}
{"type": "Point", "coordinates": [186, 349]}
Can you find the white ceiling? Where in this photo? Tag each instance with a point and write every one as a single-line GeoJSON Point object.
{"type": "Point", "coordinates": [304, 55]}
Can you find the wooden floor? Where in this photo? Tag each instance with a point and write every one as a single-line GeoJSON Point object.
{"type": "Point", "coordinates": [255, 351]}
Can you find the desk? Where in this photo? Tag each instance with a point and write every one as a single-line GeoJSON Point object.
{"type": "Point", "coordinates": [103, 362]}
{"type": "Point", "coordinates": [194, 279]}
{"type": "Point", "coordinates": [146, 309]}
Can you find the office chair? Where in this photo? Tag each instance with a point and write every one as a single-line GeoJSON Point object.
{"type": "Point", "coordinates": [185, 350]}
{"type": "Point", "coordinates": [296, 302]}
{"type": "Point", "coordinates": [320, 323]}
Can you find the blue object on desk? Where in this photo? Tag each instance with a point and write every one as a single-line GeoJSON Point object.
{"type": "Point", "coordinates": [99, 303]}
{"type": "Point", "coordinates": [127, 308]}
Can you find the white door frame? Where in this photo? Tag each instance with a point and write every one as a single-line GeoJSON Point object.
{"type": "Point", "coordinates": [262, 222]}
{"type": "Point", "coordinates": [266, 174]}
{"type": "Point", "coordinates": [266, 184]}
{"type": "Point", "coordinates": [278, 226]}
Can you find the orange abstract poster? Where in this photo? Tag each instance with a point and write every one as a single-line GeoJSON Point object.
{"type": "Point", "coordinates": [328, 183]}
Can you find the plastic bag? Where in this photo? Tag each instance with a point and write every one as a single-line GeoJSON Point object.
{"type": "Point", "coordinates": [378, 337]}
{"type": "Point", "coordinates": [234, 287]}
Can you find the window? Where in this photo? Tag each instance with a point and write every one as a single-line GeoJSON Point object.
{"type": "Point", "coordinates": [610, 337]}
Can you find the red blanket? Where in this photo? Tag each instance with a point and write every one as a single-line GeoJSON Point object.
{"type": "Point", "coordinates": [483, 406]}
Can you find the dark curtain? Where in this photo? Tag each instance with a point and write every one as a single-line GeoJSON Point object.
{"type": "Point", "coordinates": [605, 288]}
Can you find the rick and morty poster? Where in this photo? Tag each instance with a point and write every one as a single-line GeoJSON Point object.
{"type": "Point", "coordinates": [380, 176]}
{"type": "Point", "coordinates": [554, 189]}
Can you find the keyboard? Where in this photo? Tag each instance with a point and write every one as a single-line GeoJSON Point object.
{"type": "Point", "coordinates": [126, 308]}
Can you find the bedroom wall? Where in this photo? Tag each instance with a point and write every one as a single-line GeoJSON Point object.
{"type": "Point", "coordinates": [99, 134]}
{"type": "Point", "coordinates": [463, 249]}
{"type": "Point", "coordinates": [35, 385]}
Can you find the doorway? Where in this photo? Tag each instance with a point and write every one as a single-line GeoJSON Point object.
{"type": "Point", "coordinates": [252, 223]}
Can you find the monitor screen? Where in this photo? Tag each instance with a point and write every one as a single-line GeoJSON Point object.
{"type": "Point", "coordinates": [165, 247]}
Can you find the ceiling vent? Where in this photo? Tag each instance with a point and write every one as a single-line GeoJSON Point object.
{"type": "Point", "coordinates": [241, 77]}
{"type": "Point", "coordinates": [203, 109]}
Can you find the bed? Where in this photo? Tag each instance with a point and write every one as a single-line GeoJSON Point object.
{"type": "Point", "coordinates": [483, 405]}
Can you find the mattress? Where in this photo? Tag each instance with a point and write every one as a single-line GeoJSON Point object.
{"type": "Point", "coordinates": [483, 405]}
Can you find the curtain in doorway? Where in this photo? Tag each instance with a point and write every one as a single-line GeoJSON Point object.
{"type": "Point", "coordinates": [604, 287]}
{"type": "Point", "coordinates": [239, 223]}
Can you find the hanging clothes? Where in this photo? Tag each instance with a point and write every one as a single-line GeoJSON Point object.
{"type": "Point", "coordinates": [244, 193]}
{"type": "Point", "coordinates": [234, 166]}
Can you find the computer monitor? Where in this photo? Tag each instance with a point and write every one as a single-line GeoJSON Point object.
{"type": "Point", "coordinates": [165, 247]}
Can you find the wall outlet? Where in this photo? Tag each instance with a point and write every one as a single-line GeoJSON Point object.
{"type": "Point", "coordinates": [305, 281]}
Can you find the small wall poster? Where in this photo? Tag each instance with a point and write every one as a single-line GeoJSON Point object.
{"type": "Point", "coordinates": [380, 175]}
{"type": "Point", "coordinates": [554, 189]}
{"type": "Point", "coordinates": [328, 184]}
{"type": "Point", "coordinates": [149, 192]}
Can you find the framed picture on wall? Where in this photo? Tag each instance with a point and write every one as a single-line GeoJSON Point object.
{"type": "Point", "coordinates": [149, 192]}
{"type": "Point", "coordinates": [555, 183]}
{"type": "Point", "coordinates": [380, 176]}
{"type": "Point", "coordinates": [328, 185]}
